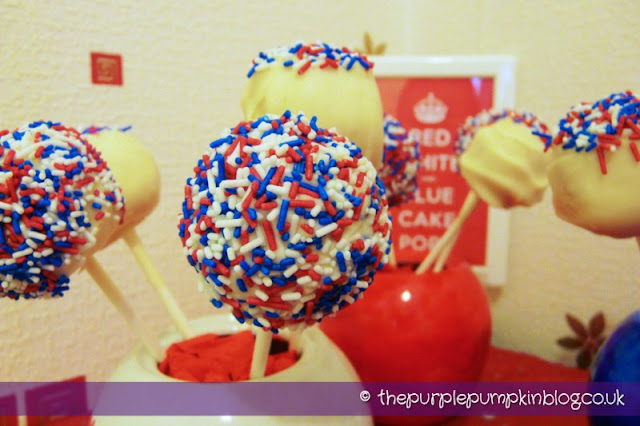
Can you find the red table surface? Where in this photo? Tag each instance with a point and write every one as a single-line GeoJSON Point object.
{"type": "Point", "coordinates": [508, 366]}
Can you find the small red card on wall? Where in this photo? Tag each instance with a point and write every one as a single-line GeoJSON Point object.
{"type": "Point", "coordinates": [432, 109]}
{"type": "Point", "coordinates": [106, 68]}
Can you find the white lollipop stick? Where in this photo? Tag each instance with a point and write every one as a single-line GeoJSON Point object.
{"type": "Point", "coordinates": [392, 257]}
{"type": "Point", "coordinates": [155, 279]}
{"type": "Point", "coordinates": [260, 354]}
{"type": "Point", "coordinates": [468, 207]}
{"type": "Point", "coordinates": [118, 300]}
{"type": "Point", "coordinates": [444, 255]}
{"type": "Point", "coordinates": [295, 340]}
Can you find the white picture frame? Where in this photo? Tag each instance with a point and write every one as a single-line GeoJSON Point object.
{"type": "Point", "coordinates": [502, 69]}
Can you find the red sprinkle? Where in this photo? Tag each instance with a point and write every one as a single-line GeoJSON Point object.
{"type": "Point", "coordinates": [601, 160]}
{"type": "Point", "coordinates": [271, 239]}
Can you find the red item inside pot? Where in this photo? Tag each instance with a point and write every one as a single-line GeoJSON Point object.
{"type": "Point", "coordinates": [213, 358]}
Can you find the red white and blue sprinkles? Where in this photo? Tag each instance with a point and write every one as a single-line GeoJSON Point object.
{"type": "Point", "coordinates": [600, 125]}
{"type": "Point", "coordinates": [94, 129]}
{"type": "Point", "coordinates": [54, 188]}
{"type": "Point", "coordinates": [303, 56]}
{"type": "Point", "coordinates": [472, 124]}
{"type": "Point", "coordinates": [284, 221]}
{"type": "Point", "coordinates": [400, 162]}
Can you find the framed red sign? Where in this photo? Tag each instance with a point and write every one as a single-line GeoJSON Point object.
{"type": "Point", "coordinates": [432, 96]}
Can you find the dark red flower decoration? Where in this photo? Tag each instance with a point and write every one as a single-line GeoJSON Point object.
{"type": "Point", "coordinates": [588, 338]}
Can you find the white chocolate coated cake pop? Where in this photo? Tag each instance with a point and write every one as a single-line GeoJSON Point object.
{"type": "Point", "coordinates": [135, 169]}
{"type": "Point", "coordinates": [285, 222]}
{"type": "Point", "coordinates": [595, 168]}
{"type": "Point", "coordinates": [59, 203]}
{"type": "Point", "coordinates": [332, 83]}
{"type": "Point", "coordinates": [501, 156]}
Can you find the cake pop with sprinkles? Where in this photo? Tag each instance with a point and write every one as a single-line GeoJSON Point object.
{"type": "Point", "coordinates": [595, 166]}
{"type": "Point", "coordinates": [59, 203]}
{"type": "Point", "coordinates": [501, 156]}
{"type": "Point", "coordinates": [333, 83]}
{"type": "Point", "coordinates": [400, 162]}
{"type": "Point", "coordinates": [284, 221]}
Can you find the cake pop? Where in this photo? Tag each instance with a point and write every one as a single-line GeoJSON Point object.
{"type": "Point", "coordinates": [333, 83]}
{"type": "Point", "coordinates": [501, 156]}
{"type": "Point", "coordinates": [59, 204]}
{"type": "Point", "coordinates": [593, 185]}
{"type": "Point", "coordinates": [284, 221]}
{"type": "Point", "coordinates": [400, 162]}
{"type": "Point", "coordinates": [135, 169]}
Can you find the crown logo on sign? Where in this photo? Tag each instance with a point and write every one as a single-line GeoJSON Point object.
{"type": "Point", "coordinates": [430, 110]}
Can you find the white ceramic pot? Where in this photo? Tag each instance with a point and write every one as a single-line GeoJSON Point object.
{"type": "Point", "coordinates": [320, 361]}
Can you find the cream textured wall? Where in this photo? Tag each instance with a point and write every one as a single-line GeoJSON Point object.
{"type": "Point", "coordinates": [184, 69]}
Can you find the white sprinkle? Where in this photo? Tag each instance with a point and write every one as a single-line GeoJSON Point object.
{"type": "Point", "coordinates": [278, 190]}
{"type": "Point", "coordinates": [234, 183]}
{"type": "Point", "coordinates": [316, 210]}
{"type": "Point", "coordinates": [257, 242]}
{"type": "Point", "coordinates": [21, 253]}
{"type": "Point", "coordinates": [273, 215]}
{"type": "Point", "coordinates": [290, 271]}
{"type": "Point", "coordinates": [290, 296]}
{"type": "Point", "coordinates": [261, 295]}
{"type": "Point", "coordinates": [321, 232]}
{"type": "Point", "coordinates": [229, 223]}
{"type": "Point", "coordinates": [304, 280]}
{"type": "Point", "coordinates": [362, 284]}
{"type": "Point", "coordinates": [36, 235]}
{"type": "Point", "coordinates": [292, 253]}
{"type": "Point", "coordinates": [231, 253]}
{"type": "Point", "coordinates": [208, 253]}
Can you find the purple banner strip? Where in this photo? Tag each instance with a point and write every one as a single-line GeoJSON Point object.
{"type": "Point", "coordinates": [295, 399]}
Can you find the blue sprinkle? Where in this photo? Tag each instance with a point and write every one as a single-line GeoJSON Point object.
{"type": "Point", "coordinates": [282, 217]}
{"type": "Point", "coordinates": [252, 270]}
{"type": "Point", "coordinates": [209, 262]}
{"type": "Point", "coordinates": [241, 285]}
{"type": "Point", "coordinates": [258, 252]}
